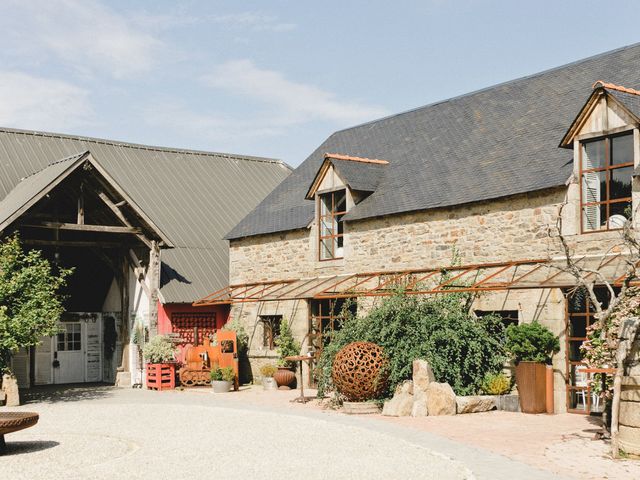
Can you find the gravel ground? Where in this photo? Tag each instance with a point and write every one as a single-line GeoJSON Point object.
{"type": "Point", "coordinates": [111, 433]}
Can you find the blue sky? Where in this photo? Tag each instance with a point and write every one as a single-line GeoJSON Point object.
{"type": "Point", "coordinates": [273, 78]}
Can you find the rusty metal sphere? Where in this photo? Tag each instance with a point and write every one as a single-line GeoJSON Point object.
{"type": "Point", "coordinates": [359, 371]}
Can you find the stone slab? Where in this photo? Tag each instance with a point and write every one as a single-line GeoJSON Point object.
{"type": "Point", "coordinates": [10, 388]}
{"type": "Point", "coordinates": [630, 414]}
{"type": "Point", "coordinates": [508, 403]}
{"type": "Point", "coordinates": [629, 439]}
{"type": "Point", "coordinates": [475, 403]}
{"type": "Point", "coordinates": [360, 408]}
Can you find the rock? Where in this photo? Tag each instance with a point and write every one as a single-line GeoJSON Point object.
{"type": "Point", "coordinates": [475, 403]}
{"type": "Point", "coordinates": [630, 414]}
{"type": "Point", "coordinates": [419, 408]}
{"type": "Point", "coordinates": [10, 388]}
{"type": "Point", "coordinates": [399, 406]}
{"type": "Point", "coordinates": [404, 387]}
{"type": "Point", "coordinates": [2, 397]}
{"type": "Point", "coordinates": [440, 399]}
{"type": "Point", "coordinates": [422, 375]}
{"type": "Point", "coordinates": [508, 403]}
{"type": "Point", "coordinates": [629, 439]}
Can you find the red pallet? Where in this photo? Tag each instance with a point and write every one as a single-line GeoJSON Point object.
{"type": "Point", "coordinates": [161, 376]}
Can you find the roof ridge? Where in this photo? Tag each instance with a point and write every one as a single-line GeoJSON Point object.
{"type": "Point", "coordinates": [140, 146]}
{"type": "Point", "coordinates": [490, 87]}
{"type": "Point", "coordinates": [613, 86]}
{"type": "Point", "coordinates": [339, 156]}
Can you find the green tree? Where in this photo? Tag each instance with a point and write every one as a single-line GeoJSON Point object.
{"type": "Point", "coordinates": [30, 300]}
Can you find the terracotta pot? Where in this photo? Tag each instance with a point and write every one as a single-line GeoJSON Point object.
{"type": "Point", "coordinates": [284, 377]}
{"type": "Point", "coordinates": [531, 382]}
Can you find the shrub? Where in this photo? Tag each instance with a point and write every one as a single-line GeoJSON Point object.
{"type": "Point", "coordinates": [159, 350]}
{"type": "Point", "coordinates": [286, 345]}
{"type": "Point", "coordinates": [225, 374]}
{"type": "Point", "coordinates": [496, 384]}
{"type": "Point", "coordinates": [461, 349]}
{"type": "Point", "coordinates": [241, 335]}
{"type": "Point", "coordinates": [531, 342]}
{"type": "Point", "coordinates": [268, 370]}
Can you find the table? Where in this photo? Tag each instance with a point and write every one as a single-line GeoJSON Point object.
{"type": "Point", "coordinates": [604, 371]}
{"type": "Point", "coordinates": [13, 421]}
{"type": "Point", "coordinates": [300, 359]}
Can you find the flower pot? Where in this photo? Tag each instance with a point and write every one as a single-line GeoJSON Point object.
{"type": "Point", "coordinates": [531, 382]}
{"type": "Point", "coordinates": [268, 383]}
{"type": "Point", "coordinates": [284, 377]}
{"type": "Point", "coordinates": [221, 386]}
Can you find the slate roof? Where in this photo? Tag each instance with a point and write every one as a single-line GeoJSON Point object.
{"type": "Point", "coordinates": [488, 144]}
{"type": "Point", "coordinates": [629, 100]}
{"type": "Point", "coordinates": [193, 197]}
{"type": "Point", "coordinates": [361, 176]}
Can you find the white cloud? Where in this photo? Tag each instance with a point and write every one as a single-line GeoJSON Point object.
{"type": "Point", "coordinates": [249, 20]}
{"type": "Point", "coordinates": [253, 20]}
{"type": "Point", "coordinates": [82, 33]}
{"type": "Point", "coordinates": [42, 104]}
{"type": "Point", "coordinates": [293, 102]}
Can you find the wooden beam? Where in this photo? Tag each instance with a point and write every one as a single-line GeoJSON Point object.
{"type": "Point", "coordinates": [71, 243]}
{"type": "Point", "coordinates": [153, 273]}
{"type": "Point", "coordinates": [118, 213]}
{"type": "Point", "coordinates": [80, 219]}
{"type": "Point", "coordinates": [83, 228]}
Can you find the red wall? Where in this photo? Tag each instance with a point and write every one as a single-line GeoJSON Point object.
{"type": "Point", "coordinates": [165, 311]}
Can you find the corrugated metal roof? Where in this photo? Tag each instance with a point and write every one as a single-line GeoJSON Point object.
{"type": "Point", "coordinates": [194, 197]}
{"type": "Point", "coordinates": [488, 144]}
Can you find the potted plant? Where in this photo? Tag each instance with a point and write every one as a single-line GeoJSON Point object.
{"type": "Point", "coordinates": [159, 354]}
{"type": "Point", "coordinates": [268, 371]}
{"type": "Point", "coordinates": [286, 346]}
{"type": "Point", "coordinates": [531, 346]}
{"type": "Point", "coordinates": [222, 379]}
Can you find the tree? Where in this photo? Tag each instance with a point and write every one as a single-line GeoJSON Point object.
{"type": "Point", "coordinates": [30, 300]}
{"type": "Point", "coordinates": [616, 329]}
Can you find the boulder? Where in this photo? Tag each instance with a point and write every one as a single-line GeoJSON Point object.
{"type": "Point", "coordinates": [404, 387]}
{"type": "Point", "coordinates": [10, 388]}
{"type": "Point", "coordinates": [2, 397]}
{"type": "Point", "coordinates": [422, 375]}
{"type": "Point", "coordinates": [419, 408]}
{"type": "Point", "coordinates": [440, 399]}
{"type": "Point", "coordinates": [399, 406]}
{"type": "Point", "coordinates": [475, 403]}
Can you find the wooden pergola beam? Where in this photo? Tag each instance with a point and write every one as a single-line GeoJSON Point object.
{"type": "Point", "coordinates": [83, 228]}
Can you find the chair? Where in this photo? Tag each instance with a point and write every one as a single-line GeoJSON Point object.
{"type": "Point", "coordinates": [582, 380]}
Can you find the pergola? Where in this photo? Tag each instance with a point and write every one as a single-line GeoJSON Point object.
{"type": "Point", "coordinates": [481, 277]}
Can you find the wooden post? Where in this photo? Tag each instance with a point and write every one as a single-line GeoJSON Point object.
{"type": "Point", "coordinates": [124, 303]}
{"type": "Point", "coordinates": [153, 279]}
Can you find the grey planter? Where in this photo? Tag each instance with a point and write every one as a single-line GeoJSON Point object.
{"type": "Point", "coordinates": [268, 383]}
{"type": "Point", "coordinates": [221, 386]}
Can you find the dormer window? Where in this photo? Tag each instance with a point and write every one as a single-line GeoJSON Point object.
{"type": "Point", "coordinates": [606, 170]}
{"type": "Point", "coordinates": [331, 208]}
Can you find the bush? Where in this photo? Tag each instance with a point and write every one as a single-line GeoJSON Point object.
{"type": "Point", "coordinates": [242, 338]}
{"type": "Point", "coordinates": [531, 342]}
{"type": "Point", "coordinates": [159, 350]}
{"type": "Point", "coordinates": [496, 384]}
{"type": "Point", "coordinates": [225, 374]}
{"type": "Point", "coordinates": [268, 370]}
{"type": "Point", "coordinates": [286, 345]}
{"type": "Point", "coordinates": [460, 348]}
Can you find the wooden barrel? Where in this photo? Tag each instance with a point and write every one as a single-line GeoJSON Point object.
{"type": "Point", "coordinates": [629, 428]}
{"type": "Point", "coordinates": [531, 382]}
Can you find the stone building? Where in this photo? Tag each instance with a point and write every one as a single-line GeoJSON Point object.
{"type": "Point", "coordinates": [385, 204]}
{"type": "Point", "coordinates": [142, 227]}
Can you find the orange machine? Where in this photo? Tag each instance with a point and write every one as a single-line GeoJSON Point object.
{"type": "Point", "coordinates": [201, 359]}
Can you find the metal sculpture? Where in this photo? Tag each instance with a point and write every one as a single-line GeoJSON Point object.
{"type": "Point", "coordinates": [359, 371]}
{"type": "Point", "coordinates": [201, 359]}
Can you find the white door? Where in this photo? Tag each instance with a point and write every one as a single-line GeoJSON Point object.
{"type": "Point", "coordinates": [69, 353]}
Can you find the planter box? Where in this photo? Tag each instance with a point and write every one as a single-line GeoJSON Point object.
{"type": "Point", "coordinates": [361, 408]}
{"type": "Point", "coordinates": [531, 379]}
{"type": "Point", "coordinates": [161, 376]}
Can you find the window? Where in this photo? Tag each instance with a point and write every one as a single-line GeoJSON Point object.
{"type": "Point", "coordinates": [70, 339]}
{"type": "Point", "coordinates": [332, 207]}
{"type": "Point", "coordinates": [605, 174]}
{"type": "Point", "coordinates": [508, 317]}
{"type": "Point", "coordinates": [270, 330]}
{"type": "Point", "coordinates": [326, 316]}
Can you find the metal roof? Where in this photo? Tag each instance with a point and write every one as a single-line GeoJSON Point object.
{"type": "Point", "coordinates": [488, 144]}
{"type": "Point", "coordinates": [194, 197]}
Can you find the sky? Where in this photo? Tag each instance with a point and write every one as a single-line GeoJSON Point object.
{"type": "Point", "coordinates": [273, 78]}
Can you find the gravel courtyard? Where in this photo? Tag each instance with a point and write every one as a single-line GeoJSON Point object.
{"type": "Point", "coordinates": [105, 432]}
{"type": "Point", "coordinates": [113, 433]}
